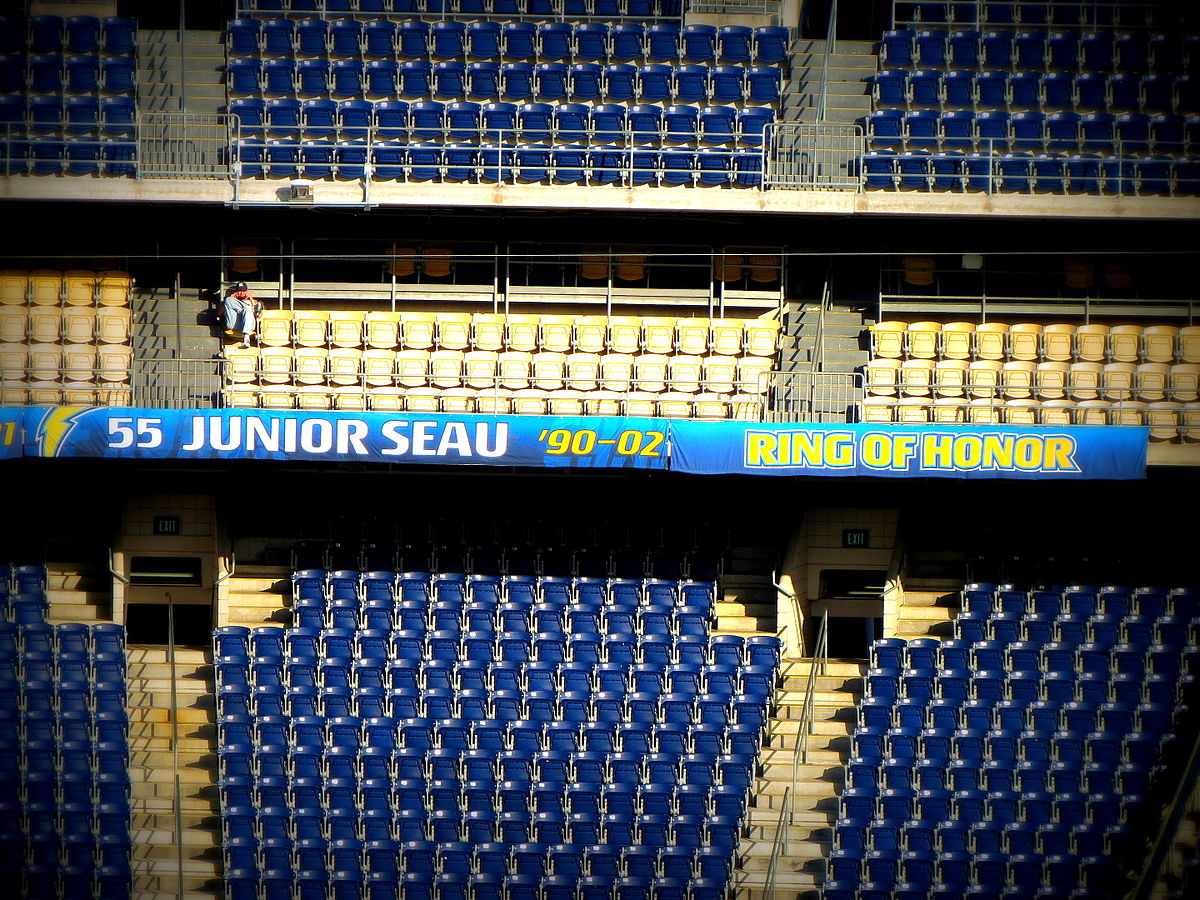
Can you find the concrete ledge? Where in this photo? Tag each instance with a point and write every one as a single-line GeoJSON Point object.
{"type": "Point", "coordinates": [271, 192]}
{"type": "Point", "coordinates": [1173, 455]}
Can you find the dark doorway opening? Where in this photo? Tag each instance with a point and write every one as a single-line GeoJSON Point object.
{"type": "Point", "coordinates": [147, 623]}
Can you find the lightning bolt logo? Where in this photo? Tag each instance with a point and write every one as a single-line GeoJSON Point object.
{"type": "Point", "coordinates": [55, 426]}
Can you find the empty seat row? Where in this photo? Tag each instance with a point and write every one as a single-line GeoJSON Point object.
{"type": "Point", "coordinates": [518, 333]}
{"type": "Point", "coordinates": [485, 39]}
{"type": "Point", "coordinates": [1031, 12]}
{"type": "Point", "coordinates": [1058, 341]}
{"type": "Point", "coordinates": [72, 637]}
{"type": "Point", "coordinates": [75, 287]}
{"type": "Point", "coordinates": [71, 394]}
{"type": "Point", "coordinates": [1084, 839]}
{"type": "Point", "coordinates": [602, 9]}
{"type": "Point", "coordinates": [1089, 600]}
{"type": "Point", "coordinates": [106, 325]}
{"type": "Point", "coordinates": [36, 120]}
{"type": "Point", "coordinates": [1035, 626]}
{"type": "Point", "coordinates": [85, 362]}
{"type": "Point", "coordinates": [1036, 49]}
{"type": "Point", "coordinates": [74, 34]}
{"type": "Point", "coordinates": [1020, 172]}
{"type": "Point", "coordinates": [53, 74]}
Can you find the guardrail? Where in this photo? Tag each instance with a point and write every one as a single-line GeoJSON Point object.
{"type": "Point", "coordinates": [178, 383]}
{"type": "Point", "coordinates": [813, 397]}
{"type": "Point", "coordinates": [813, 156]}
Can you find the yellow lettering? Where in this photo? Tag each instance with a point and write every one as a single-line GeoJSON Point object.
{"type": "Point", "coordinates": [877, 451]}
{"type": "Point", "coordinates": [968, 452]}
{"type": "Point", "coordinates": [905, 449]}
{"type": "Point", "coordinates": [808, 448]}
{"type": "Point", "coordinates": [1029, 453]}
{"type": "Point", "coordinates": [1059, 454]}
{"type": "Point", "coordinates": [936, 454]}
{"type": "Point", "coordinates": [997, 451]}
{"type": "Point", "coordinates": [760, 449]}
{"type": "Point", "coordinates": [839, 449]}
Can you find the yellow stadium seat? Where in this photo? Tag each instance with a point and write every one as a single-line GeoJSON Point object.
{"type": "Point", "coordinates": [674, 405]}
{"type": "Point", "coordinates": [760, 337]}
{"type": "Point", "coordinates": [114, 395]}
{"type": "Point", "coordinates": [1189, 344]}
{"type": "Point", "coordinates": [1056, 412]}
{"type": "Point", "coordinates": [113, 288]}
{"type": "Point", "coordinates": [241, 396]}
{"type": "Point", "coordinates": [720, 373]}
{"type": "Point", "coordinates": [658, 335]}
{"type": "Point", "coordinates": [1058, 342]}
{"type": "Point", "coordinates": [1050, 380]}
{"type": "Point", "coordinates": [422, 400]}
{"type": "Point", "coordinates": [630, 267]}
{"type": "Point", "coordinates": [593, 267]}
{"type": "Point", "coordinates": [711, 406]}
{"type": "Point", "coordinates": [983, 378]}
{"type": "Point", "coordinates": [381, 330]}
{"type": "Point", "coordinates": [583, 371]}
{"type": "Point", "coordinates": [312, 365]}
{"type": "Point", "coordinates": [1091, 343]}
{"type": "Point", "coordinates": [555, 333]}
{"type": "Point", "coordinates": [1125, 343]}
{"type": "Point", "coordinates": [522, 333]}
{"type": "Point", "coordinates": [79, 362]}
{"type": "Point", "coordinates": [601, 403]}
{"type": "Point", "coordinates": [275, 365]}
{"type": "Point", "coordinates": [313, 398]}
{"type": "Point", "coordinates": [514, 369]}
{"type": "Point", "coordinates": [1083, 380]}
{"type": "Point", "coordinates": [1127, 412]}
{"type": "Point", "coordinates": [446, 368]}
{"type": "Point", "coordinates": [436, 262]}
{"type": "Point", "coordinates": [379, 367]}
{"type": "Point", "coordinates": [417, 330]}
{"type": "Point", "coordinates": [14, 286]}
{"type": "Point", "coordinates": [726, 336]}
{"type": "Point", "coordinates": [386, 399]}
{"type": "Point", "coordinates": [616, 371]}
{"type": "Point", "coordinates": [79, 287]}
{"type": "Point", "coordinates": [1163, 419]}
{"type": "Point", "coordinates": [1017, 378]}
{"type": "Point", "coordinates": [746, 407]}
{"type": "Point", "coordinates": [45, 287]}
{"type": "Point", "coordinates": [114, 362]}
{"type": "Point", "coordinates": [754, 372]}
{"type": "Point", "coordinates": [277, 397]}
{"type": "Point", "coordinates": [564, 402]}
{"type": "Point", "coordinates": [14, 323]}
{"type": "Point", "coordinates": [639, 403]}
{"type": "Point", "coordinates": [412, 368]}
{"type": "Point", "coordinates": [1183, 382]}
{"type": "Point", "coordinates": [241, 364]}
{"type": "Point", "coordinates": [1159, 342]}
{"type": "Point", "coordinates": [402, 262]}
{"type": "Point", "coordinates": [45, 362]}
{"type": "Point", "coordinates": [275, 327]}
{"type": "Point", "coordinates": [764, 268]}
{"type": "Point", "coordinates": [479, 369]}
{"type": "Point", "coordinates": [529, 402]}
{"type": "Point", "coordinates": [454, 331]}
{"type": "Point", "coordinates": [950, 377]}
{"type": "Point", "coordinates": [1019, 412]}
{"type": "Point", "coordinates": [882, 376]}
{"type": "Point", "coordinates": [948, 410]}
{"type": "Point", "coordinates": [549, 370]}
{"type": "Point", "coordinates": [487, 332]}
{"type": "Point", "coordinates": [43, 393]}
{"type": "Point", "coordinates": [591, 334]}
{"type": "Point", "coordinates": [458, 400]}
{"type": "Point", "coordinates": [13, 360]}
{"type": "Point", "coordinates": [45, 323]}
{"type": "Point", "coordinates": [650, 372]}
{"type": "Point", "coordinates": [991, 340]}
{"type": "Point", "coordinates": [345, 365]}
{"type": "Point", "coordinates": [114, 325]}
{"type": "Point", "coordinates": [878, 409]}
{"type": "Point", "coordinates": [913, 409]}
{"type": "Point", "coordinates": [1189, 422]}
{"type": "Point", "coordinates": [346, 328]}
{"type": "Point", "coordinates": [1024, 341]}
{"type": "Point", "coordinates": [624, 334]}
{"type": "Point", "coordinates": [983, 411]}
{"type": "Point", "coordinates": [349, 398]}
{"type": "Point", "coordinates": [887, 339]}
{"type": "Point", "coordinates": [955, 340]}
{"type": "Point", "coordinates": [916, 377]}
{"type": "Point", "coordinates": [1150, 381]}
{"type": "Point", "coordinates": [683, 374]}
{"type": "Point", "coordinates": [1117, 381]}
{"type": "Point", "coordinates": [494, 402]}
{"type": "Point", "coordinates": [692, 336]}
{"type": "Point", "coordinates": [921, 339]}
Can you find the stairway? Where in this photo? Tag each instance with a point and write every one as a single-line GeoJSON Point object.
{"type": "Point", "coordinates": [258, 595]}
{"type": "Point", "coordinates": [801, 867]}
{"type": "Point", "coordinates": [840, 352]}
{"type": "Point", "coordinates": [174, 77]}
{"type": "Point", "coordinates": [169, 328]}
{"type": "Point", "coordinates": [848, 90]}
{"type": "Point", "coordinates": [155, 859]}
{"type": "Point", "coordinates": [78, 592]}
{"type": "Point", "coordinates": [747, 602]}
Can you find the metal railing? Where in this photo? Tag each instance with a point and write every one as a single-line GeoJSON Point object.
{"type": "Point", "coordinates": [667, 11]}
{"type": "Point", "coordinates": [178, 383]}
{"type": "Point", "coordinates": [184, 145]}
{"type": "Point", "coordinates": [827, 51]}
{"type": "Point", "coordinates": [813, 396]}
{"type": "Point", "coordinates": [779, 844]}
{"type": "Point", "coordinates": [735, 7]}
{"type": "Point", "coordinates": [817, 667]}
{"type": "Point", "coordinates": [813, 156]}
{"type": "Point", "coordinates": [1094, 14]}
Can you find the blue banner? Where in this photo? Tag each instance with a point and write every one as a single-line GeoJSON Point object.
{"type": "Point", "coordinates": [553, 441]}
{"type": "Point", "coordinates": [927, 451]}
{"type": "Point", "coordinates": [705, 448]}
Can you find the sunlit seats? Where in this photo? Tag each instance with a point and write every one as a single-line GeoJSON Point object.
{"type": "Point", "coordinates": [658, 335]}
{"type": "Point", "coordinates": [640, 403]}
{"type": "Point", "coordinates": [529, 402]}
{"type": "Point", "coordinates": [601, 403]}
{"type": "Point", "coordinates": [921, 339]}
{"type": "Point", "coordinates": [616, 371]}
{"type": "Point", "coordinates": [887, 339]}
{"type": "Point", "coordinates": [753, 373]}
{"type": "Point", "coordinates": [310, 327]}
{"type": "Point", "coordinates": [487, 331]}
{"type": "Point", "coordinates": [522, 333]}
{"type": "Point", "coordinates": [275, 327]}
{"type": "Point", "coordinates": [454, 331]}
{"type": "Point", "coordinates": [346, 328]}
{"type": "Point", "coordinates": [345, 365]}
{"type": "Point", "coordinates": [479, 369]}
{"type": "Point", "coordinates": [379, 367]}
{"type": "Point", "coordinates": [1058, 342]}
{"type": "Point", "coordinates": [1024, 340]}
{"type": "Point", "coordinates": [583, 371]}
{"type": "Point", "coordinates": [916, 377]}
{"type": "Point", "coordinates": [956, 340]}
{"type": "Point", "coordinates": [710, 406]}
{"type": "Point", "coordinates": [674, 405]}
{"type": "Point", "coordinates": [79, 287]}
{"type": "Point", "coordinates": [1125, 343]}
{"type": "Point", "coordinates": [417, 330]}
{"type": "Point", "coordinates": [446, 368]}
{"type": "Point", "coordinates": [114, 325]}
{"type": "Point", "coordinates": [692, 336]}
{"type": "Point", "coordinates": [412, 368]}
{"type": "Point", "coordinates": [458, 400]}
{"type": "Point", "coordinates": [311, 365]}
{"type": "Point", "coordinates": [727, 336]}
{"type": "Point", "coordinates": [950, 377]}
{"type": "Point", "coordinates": [242, 365]}
{"type": "Point", "coordinates": [991, 340]}
{"type": "Point", "coordinates": [591, 334]}
{"type": "Point", "coordinates": [555, 333]}
{"type": "Point", "coordinates": [422, 399]}
{"type": "Point", "coordinates": [381, 330]}
{"type": "Point", "coordinates": [1158, 343]}
{"type": "Point", "coordinates": [514, 369]}
{"type": "Point", "coordinates": [14, 285]}
{"type": "Point", "coordinates": [45, 323]}
{"type": "Point", "coordinates": [564, 402]}
{"type": "Point", "coordinates": [761, 337]}
{"type": "Point", "coordinates": [624, 334]}
{"type": "Point", "coordinates": [683, 374]}
{"type": "Point", "coordinates": [1091, 342]}
{"type": "Point", "coordinates": [45, 287]}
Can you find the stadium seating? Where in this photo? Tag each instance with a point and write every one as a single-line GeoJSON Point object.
{"type": "Point", "coordinates": [458, 362]}
{"type": "Point", "coordinates": [519, 727]}
{"type": "Point", "coordinates": [64, 731]}
{"type": "Point", "coordinates": [1057, 373]}
{"type": "Point", "coordinates": [1052, 744]}
{"type": "Point", "coordinates": [65, 337]}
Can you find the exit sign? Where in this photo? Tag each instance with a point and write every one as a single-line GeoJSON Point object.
{"type": "Point", "coordinates": [855, 537]}
{"type": "Point", "coordinates": [166, 525]}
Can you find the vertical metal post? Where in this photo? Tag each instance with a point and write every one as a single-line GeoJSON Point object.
{"type": "Point", "coordinates": [182, 57]}
{"type": "Point", "coordinates": [175, 746]}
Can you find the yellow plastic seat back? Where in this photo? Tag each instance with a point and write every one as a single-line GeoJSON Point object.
{"type": "Point", "coordinates": [417, 330]}
{"type": "Point", "coordinates": [658, 335]}
{"type": "Point", "coordinates": [275, 327]}
{"type": "Point", "coordinates": [381, 330]}
{"type": "Point", "coordinates": [454, 331]}
{"type": "Point", "coordinates": [79, 287]}
{"type": "Point", "coordinates": [346, 328]}
{"type": "Point", "coordinates": [114, 324]}
{"type": "Point", "coordinates": [487, 331]}
{"type": "Point", "coordinates": [692, 336]}
{"type": "Point", "coordinates": [624, 334]}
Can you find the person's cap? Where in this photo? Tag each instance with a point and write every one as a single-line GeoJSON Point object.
{"type": "Point", "coordinates": [240, 286]}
